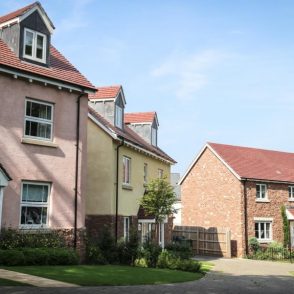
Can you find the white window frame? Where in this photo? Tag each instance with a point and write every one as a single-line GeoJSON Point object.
{"type": "Point", "coordinates": [118, 116]}
{"type": "Point", "coordinates": [291, 193]}
{"type": "Point", "coordinates": [126, 228]}
{"type": "Point", "coordinates": [153, 136]}
{"type": "Point", "coordinates": [34, 204]}
{"type": "Point", "coordinates": [259, 196]}
{"type": "Point", "coordinates": [39, 120]}
{"type": "Point", "coordinates": [145, 173]}
{"type": "Point", "coordinates": [260, 221]}
{"type": "Point", "coordinates": [34, 46]}
{"type": "Point", "coordinates": [127, 178]}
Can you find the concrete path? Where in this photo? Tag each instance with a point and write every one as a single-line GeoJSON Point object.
{"type": "Point", "coordinates": [32, 280]}
{"type": "Point", "coordinates": [229, 276]}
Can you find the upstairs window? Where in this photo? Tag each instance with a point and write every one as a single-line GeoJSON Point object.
{"type": "Point", "coordinates": [118, 116]}
{"type": "Point", "coordinates": [126, 170]}
{"type": "Point", "coordinates": [153, 136]}
{"type": "Point", "coordinates": [291, 193]}
{"type": "Point", "coordinates": [38, 120]}
{"type": "Point", "coordinates": [160, 173]}
{"type": "Point", "coordinates": [34, 46]}
{"type": "Point", "coordinates": [261, 192]}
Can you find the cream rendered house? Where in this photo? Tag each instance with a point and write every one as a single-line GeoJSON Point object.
{"type": "Point", "coordinates": [122, 158]}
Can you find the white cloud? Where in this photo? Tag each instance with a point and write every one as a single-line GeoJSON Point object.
{"type": "Point", "coordinates": [189, 73]}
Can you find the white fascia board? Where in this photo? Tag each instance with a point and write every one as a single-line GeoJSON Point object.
{"type": "Point", "coordinates": [107, 130]}
{"type": "Point", "coordinates": [43, 15]}
{"type": "Point", "coordinates": [199, 155]}
{"type": "Point", "coordinates": [148, 152]}
{"type": "Point", "coordinates": [122, 95]}
{"type": "Point", "coordinates": [140, 123]}
{"type": "Point", "coordinates": [156, 120]}
{"type": "Point", "coordinates": [9, 22]}
{"type": "Point", "coordinates": [44, 80]}
{"type": "Point", "coordinates": [102, 100]}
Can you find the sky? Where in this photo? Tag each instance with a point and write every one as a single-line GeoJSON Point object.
{"type": "Point", "coordinates": [213, 70]}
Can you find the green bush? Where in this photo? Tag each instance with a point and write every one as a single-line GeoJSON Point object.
{"type": "Point", "coordinates": [141, 262]}
{"type": "Point", "coordinates": [276, 245]}
{"type": "Point", "coordinates": [12, 257]}
{"type": "Point", "coordinates": [168, 259]}
{"type": "Point", "coordinates": [38, 256]}
{"type": "Point", "coordinates": [12, 239]}
{"type": "Point", "coordinates": [254, 245]}
{"type": "Point", "coordinates": [95, 255]}
{"type": "Point", "coordinates": [150, 252]}
{"type": "Point", "coordinates": [184, 251]}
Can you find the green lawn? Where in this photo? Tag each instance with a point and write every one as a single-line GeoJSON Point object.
{"type": "Point", "coordinates": [5, 282]}
{"type": "Point", "coordinates": [292, 273]}
{"type": "Point", "coordinates": [95, 275]}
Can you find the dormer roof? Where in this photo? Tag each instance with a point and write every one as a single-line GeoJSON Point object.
{"type": "Point", "coordinates": [141, 118]}
{"type": "Point", "coordinates": [108, 93]}
{"type": "Point", "coordinates": [20, 14]}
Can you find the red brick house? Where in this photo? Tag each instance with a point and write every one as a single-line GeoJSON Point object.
{"type": "Point", "coordinates": [242, 189]}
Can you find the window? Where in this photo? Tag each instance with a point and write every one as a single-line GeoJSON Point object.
{"type": "Point", "coordinates": [118, 116]}
{"type": "Point", "coordinates": [126, 228]}
{"type": "Point", "coordinates": [261, 192]}
{"type": "Point", "coordinates": [160, 173]}
{"type": "Point", "coordinates": [38, 120]}
{"type": "Point", "coordinates": [145, 172]}
{"type": "Point", "coordinates": [126, 170]}
{"type": "Point", "coordinates": [291, 193]}
{"type": "Point", "coordinates": [34, 45]}
{"type": "Point", "coordinates": [153, 136]}
{"type": "Point", "coordinates": [263, 230]}
{"type": "Point", "coordinates": [34, 204]}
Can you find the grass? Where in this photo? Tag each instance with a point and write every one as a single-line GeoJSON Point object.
{"type": "Point", "coordinates": [6, 282]}
{"type": "Point", "coordinates": [95, 275]}
{"type": "Point", "coordinates": [292, 273]}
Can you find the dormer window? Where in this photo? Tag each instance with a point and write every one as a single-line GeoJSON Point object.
{"type": "Point", "coordinates": [153, 136]}
{"type": "Point", "coordinates": [118, 116]}
{"type": "Point", "coordinates": [34, 45]}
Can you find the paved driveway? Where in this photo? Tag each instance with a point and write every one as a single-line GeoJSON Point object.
{"type": "Point", "coordinates": [229, 276]}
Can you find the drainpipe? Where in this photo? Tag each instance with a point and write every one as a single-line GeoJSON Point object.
{"type": "Point", "coordinates": [245, 217]}
{"type": "Point", "coordinates": [116, 192]}
{"type": "Point", "coordinates": [77, 168]}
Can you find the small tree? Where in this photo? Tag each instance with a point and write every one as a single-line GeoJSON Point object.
{"type": "Point", "coordinates": [286, 228]}
{"type": "Point", "coordinates": [159, 200]}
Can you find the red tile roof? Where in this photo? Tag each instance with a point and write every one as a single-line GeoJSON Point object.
{"type": "Point", "coordinates": [139, 117]}
{"type": "Point", "coordinates": [253, 163]}
{"type": "Point", "coordinates": [130, 135]}
{"type": "Point", "coordinates": [60, 68]}
{"type": "Point", "coordinates": [17, 13]}
{"type": "Point", "coordinates": [110, 92]}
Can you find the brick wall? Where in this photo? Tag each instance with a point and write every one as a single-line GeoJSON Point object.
{"type": "Point", "coordinates": [278, 196]}
{"type": "Point", "coordinates": [213, 197]}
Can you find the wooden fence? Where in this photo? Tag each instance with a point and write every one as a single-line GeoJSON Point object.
{"type": "Point", "coordinates": [211, 241]}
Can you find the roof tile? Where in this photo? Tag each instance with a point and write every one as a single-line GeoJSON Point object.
{"type": "Point", "coordinates": [110, 92]}
{"type": "Point", "coordinates": [16, 13]}
{"type": "Point", "coordinates": [261, 164]}
{"type": "Point", "coordinates": [139, 117]}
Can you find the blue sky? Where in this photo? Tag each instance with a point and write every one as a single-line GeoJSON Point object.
{"type": "Point", "coordinates": [219, 71]}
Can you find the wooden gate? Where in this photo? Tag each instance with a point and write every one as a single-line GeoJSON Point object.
{"type": "Point", "coordinates": [205, 241]}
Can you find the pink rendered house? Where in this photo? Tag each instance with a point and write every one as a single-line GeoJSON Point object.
{"type": "Point", "coordinates": [43, 121]}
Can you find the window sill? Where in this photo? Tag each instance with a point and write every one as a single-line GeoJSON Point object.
{"type": "Point", "coordinates": [127, 187]}
{"type": "Point", "coordinates": [38, 142]}
{"type": "Point", "coordinates": [34, 229]}
{"type": "Point", "coordinates": [291, 199]}
{"type": "Point", "coordinates": [262, 200]}
{"type": "Point", "coordinates": [264, 241]}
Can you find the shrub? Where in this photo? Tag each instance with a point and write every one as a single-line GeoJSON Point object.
{"type": "Point", "coordinates": [183, 251]}
{"type": "Point", "coordinates": [35, 256]}
{"type": "Point", "coordinates": [62, 256]}
{"type": "Point", "coordinates": [276, 245]}
{"type": "Point", "coordinates": [95, 255]}
{"type": "Point", "coordinates": [141, 262]}
{"type": "Point", "coordinates": [12, 239]}
{"type": "Point", "coordinates": [254, 245]}
{"type": "Point", "coordinates": [150, 253]}
{"type": "Point", "coordinates": [168, 260]}
{"type": "Point", "coordinates": [12, 257]}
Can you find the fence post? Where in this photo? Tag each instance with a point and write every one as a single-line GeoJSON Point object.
{"type": "Point", "coordinates": [228, 241]}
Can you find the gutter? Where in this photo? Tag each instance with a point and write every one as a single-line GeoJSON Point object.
{"type": "Point", "coordinates": [245, 216]}
{"type": "Point", "coordinates": [77, 168]}
{"type": "Point", "coordinates": [116, 192]}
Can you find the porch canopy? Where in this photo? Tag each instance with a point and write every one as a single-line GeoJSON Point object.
{"type": "Point", "coordinates": [4, 176]}
{"type": "Point", "coordinates": [290, 213]}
